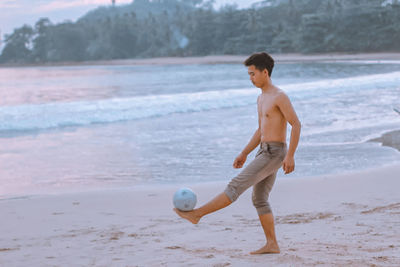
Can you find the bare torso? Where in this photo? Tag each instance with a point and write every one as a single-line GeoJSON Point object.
{"type": "Point", "coordinates": [271, 120]}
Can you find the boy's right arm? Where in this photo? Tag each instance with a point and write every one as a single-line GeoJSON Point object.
{"type": "Point", "coordinates": [253, 143]}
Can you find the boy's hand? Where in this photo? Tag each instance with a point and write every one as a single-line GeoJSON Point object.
{"type": "Point", "coordinates": [239, 161]}
{"type": "Point", "coordinates": [288, 164]}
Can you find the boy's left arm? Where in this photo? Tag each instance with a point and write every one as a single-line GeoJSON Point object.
{"type": "Point", "coordinates": [290, 115]}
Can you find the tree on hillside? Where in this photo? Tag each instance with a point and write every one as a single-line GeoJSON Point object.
{"type": "Point", "coordinates": [202, 37]}
{"type": "Point", "coordinates": [18, 45]}
{"type": "Point", "coordinates": [313, 30]}
{"type": "Point", "coordinates": [68, 43]}
{"type": "Point", "coordinates": [42, 41]}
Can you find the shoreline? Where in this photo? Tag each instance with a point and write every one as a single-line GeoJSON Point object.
{"type": "Point", "coordinates": [174, 186]}
{"type": "Point", "coordinates": [386, 139]}
{"type": "Point", "coordinates": [348, 220]}
{"type": "Point", "coordinates": [145, 187]}
{"type": "Point", "coordinates": [223, 59]}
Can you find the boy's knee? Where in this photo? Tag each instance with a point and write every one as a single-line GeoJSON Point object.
{"type": "Point", "coordinates": [231, 192]}
{"type": "Point", "coordinates": [238, 185]}
{"type": "Point", "coordinates": [261, 204]}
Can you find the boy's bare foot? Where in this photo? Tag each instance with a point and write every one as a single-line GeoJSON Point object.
{"type": "Point", "coordinates": [267, 249]}
{"type": "Point", "coordinates": [188, 215]}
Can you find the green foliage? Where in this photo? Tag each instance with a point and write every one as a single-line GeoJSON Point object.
{"type": "Point", "coordinates": [18, 45]}
{"type": "Point", "coordinates": [193, 28]}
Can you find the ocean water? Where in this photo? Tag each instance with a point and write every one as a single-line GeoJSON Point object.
{"type": "Point", "coordinates": [82, 128]}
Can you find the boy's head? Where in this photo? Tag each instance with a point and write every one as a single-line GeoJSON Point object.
{"type": "Point", "coordinates": [261, 61]}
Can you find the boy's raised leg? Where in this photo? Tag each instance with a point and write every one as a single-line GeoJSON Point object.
{"type": "Point", "coordinates": [219, 202]}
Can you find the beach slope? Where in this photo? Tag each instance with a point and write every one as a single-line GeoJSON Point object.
{"type": "Point", "coordinates": [340, 220]}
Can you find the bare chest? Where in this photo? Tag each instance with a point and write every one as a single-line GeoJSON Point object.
{"type": "Point", "coordinates": [267, 107]}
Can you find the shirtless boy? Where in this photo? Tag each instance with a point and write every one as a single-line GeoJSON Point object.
{"type": "Point", "coordinates": [274, 112]}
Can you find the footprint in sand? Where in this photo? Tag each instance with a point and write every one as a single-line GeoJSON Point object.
{"type": "Point", "coordinates": [134, 235]}
{"type": "Point", "coordinates": [298, 218]}
{"type": "Point", "coordinates": [116, 235]}
{"type": "Point", "coordinates": [7, 249]}
{"type": "Point", "coordinates": [209, 256]}
{"type": "Point", "coordinates": [221, 264]}
{"type": "Point", "coordinates": [173, 247]}
{"type": "Point", "coordinates": [390, 207]}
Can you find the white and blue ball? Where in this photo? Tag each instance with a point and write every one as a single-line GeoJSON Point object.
{"type": "Point", "coordinates": [185, 199]}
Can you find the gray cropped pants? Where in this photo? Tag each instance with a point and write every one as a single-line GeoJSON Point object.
{"type": "Point", "coordinates": [260, 174]}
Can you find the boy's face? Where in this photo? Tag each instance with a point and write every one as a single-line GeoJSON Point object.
{"type": "Point", "coordinates": [257, 77]}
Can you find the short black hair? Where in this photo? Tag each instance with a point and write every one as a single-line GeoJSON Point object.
{"type": "Point", "coordinates": [261, 61]}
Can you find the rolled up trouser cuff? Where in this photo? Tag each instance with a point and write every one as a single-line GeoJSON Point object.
{"type": "Point", "coordinates": [231, 193]}
{"type": "Point", "coordinates": [264, 210]}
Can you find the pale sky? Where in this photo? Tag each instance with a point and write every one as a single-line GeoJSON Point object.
{"type": "Point", "coordinates": [15, 13]}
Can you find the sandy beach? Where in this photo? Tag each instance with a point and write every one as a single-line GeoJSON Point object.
{"type": "Point", "coordinates": [339, 220]}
